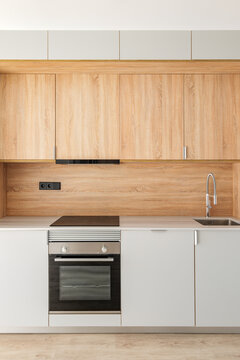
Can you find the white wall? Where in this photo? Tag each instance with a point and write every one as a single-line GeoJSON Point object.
{"type": "Point", "coordinates": [119, 14]}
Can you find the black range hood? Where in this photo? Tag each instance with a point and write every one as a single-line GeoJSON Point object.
{"type": "Point", "coordinates": [87, 161]}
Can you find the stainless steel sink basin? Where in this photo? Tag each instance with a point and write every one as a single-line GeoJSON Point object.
{"type": "Point", "coordinates": [217, 222]}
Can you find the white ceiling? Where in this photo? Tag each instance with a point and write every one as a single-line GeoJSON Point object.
{"type": "Point", "coordinates": [119, 14]}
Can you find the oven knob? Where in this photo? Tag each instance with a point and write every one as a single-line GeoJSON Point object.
{"type": "Point", "coordinates": [64, 249]}
{"type": "Point", "coordinates": [104, 249]}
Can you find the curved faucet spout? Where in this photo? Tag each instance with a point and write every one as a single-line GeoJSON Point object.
{"type": "Point", "coordinates": [208, 203]}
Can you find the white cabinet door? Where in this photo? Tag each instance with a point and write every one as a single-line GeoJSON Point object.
{"type": "Point", "coordinates": [157, 278]}
{"type": "Point", "coordinates": [155, 45]}
{"type": "Point", "coordinates": [23, 45]}
{"type": "Point", "coordinates": [84, 45]}
{"type": "Point", "coordinates": [23, 278]}
{"type": "Point", "coordinates": [216, 44]}
{"type": "Point", "coordinates": [217, 278]}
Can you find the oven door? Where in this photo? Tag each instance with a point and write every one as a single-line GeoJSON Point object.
{"type": "Point", "coordinates": [84, 283]}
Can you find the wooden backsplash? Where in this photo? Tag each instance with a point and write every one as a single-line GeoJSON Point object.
{"type": "Point", "coordinates": [166, 188]}
{"type": "Point", "coordinates": [2, 190]}
{"type": "Point", "coordinates": [236, 190]}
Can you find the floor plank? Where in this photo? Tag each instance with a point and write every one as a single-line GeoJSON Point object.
{"type": "Point", "coordinates": [119, 346]}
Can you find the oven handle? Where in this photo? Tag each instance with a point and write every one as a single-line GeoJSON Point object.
{"type": "Point", "coordinates": [58, 259]}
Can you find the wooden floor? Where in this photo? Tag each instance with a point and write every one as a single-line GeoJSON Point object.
{"type": "Point", "coordinates": [119, 346]}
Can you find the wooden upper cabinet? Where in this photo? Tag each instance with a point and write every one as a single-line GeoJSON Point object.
{"type": "Point", "coordinates": [87, 118]}
{"type": "Point", "coordinates": [212, 116]}
{"type": "Point", "coordinates": [151, 116]}
{"type": "Point", "coordinates": [27, 117]}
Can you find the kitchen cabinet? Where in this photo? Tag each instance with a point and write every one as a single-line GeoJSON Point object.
{"type": "Point", "coordinates": [217, 278]}
{"type": "Point", "coordinates": [23, 45]}
{"type": "Point", "coordinates": [212, 116]}
{"type": "Point", "coordinates": [27, 117]}
{"type": "Point", "coordinates": [151, 116]}
{"type": "Point", "coordinates": [157, 278]}
{"type": "Point", "coordinates": [155, 45]}
{"type": "Point", "coordinates": [215, 44]}
{"type": "Point", "coordinates": [23, 278]}
{"type": "Point", "coordinates": [84, 45]}
{"type": "Point", "coordinates": [87, 118]}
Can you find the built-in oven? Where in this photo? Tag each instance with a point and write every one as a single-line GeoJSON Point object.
{"type": "Point", "coordinates": [84, 276]}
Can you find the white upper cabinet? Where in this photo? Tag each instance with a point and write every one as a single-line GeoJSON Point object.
{"type": "Point", "coordinates": [155, 45]}
{"type": "Point", "coordinates": [123, 45]}
{"type": "Point", "coordinates": [84, 45]}
{"type": "Point", "coordinates": [23, 45]}
{"type": "Point", "coordinates": [216, 44]}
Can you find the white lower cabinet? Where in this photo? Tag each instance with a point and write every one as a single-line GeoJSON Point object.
{"type": "Point", "coordinates": [218, 278]}
{"type": "Point", "coordinates": [157, 278]}
{"type": "Point", "coordinates": [23, 278]}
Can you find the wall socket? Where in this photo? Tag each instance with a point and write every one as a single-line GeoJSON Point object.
{"type": "Point", "coordinates": [49, 185]}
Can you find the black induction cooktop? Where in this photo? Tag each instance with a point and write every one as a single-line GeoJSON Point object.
{"type": "Point", "coordinates": [87, 221]}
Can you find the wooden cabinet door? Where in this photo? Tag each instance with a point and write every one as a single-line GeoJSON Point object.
{"type": "Point", "coordinates": [87, 118]}
{"type": "Point", "coordinates": [23, 278]}
{"type": "Point", "coordinates": [217, 278]}
{"type": "Point", "coordinates": [27, 117]}
{"type": "Point", "coordinates": [151, 116]}
{"type": "Point", "coordinates": [212, 116]}
{"type": "Point", "coordinates": [157, 278]}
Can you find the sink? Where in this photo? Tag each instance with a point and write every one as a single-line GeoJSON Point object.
{"type": "Point", "coordinates": [217, 222]}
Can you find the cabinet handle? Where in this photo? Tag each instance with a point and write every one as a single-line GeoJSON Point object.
{"type": "Point", "coordinates": [158, 230]}
{"type": "Point", "coordinates": [195, 237]}
{"type": "Point", "coordinates": [185, 153]}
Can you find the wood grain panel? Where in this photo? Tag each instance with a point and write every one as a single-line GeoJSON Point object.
{"type": "Point", "coordinates": [212, 116]}
{"type": "Point", "coordinates": [27, 116]}
{"type": "Point", "coordinates": [120, 66]}
{"type": "Point", "coordinates": [3, 189]}
{"type": "Point", "coordinates": [167, 188]}
{"type": "Point", "coordinates": [236, 190]}
{"type": "Point", "coordinates": [151, 116]}
{"type": "Point", "coordinates": [87, 116]}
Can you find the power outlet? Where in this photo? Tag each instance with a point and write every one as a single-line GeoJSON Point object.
{"type": "Point", "coordinates": [49, 185]}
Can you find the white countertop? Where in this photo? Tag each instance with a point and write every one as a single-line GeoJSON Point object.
{"type": "Point", "coordinates": [126, 223]}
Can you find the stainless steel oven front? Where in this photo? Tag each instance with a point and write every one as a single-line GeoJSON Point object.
{"type": "Point", "coordinates": [84, 276]}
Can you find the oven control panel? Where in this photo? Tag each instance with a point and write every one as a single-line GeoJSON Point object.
{"type": "Point", "coordinates": [84, 248]}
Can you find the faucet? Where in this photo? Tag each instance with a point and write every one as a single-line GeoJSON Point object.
{"type": "Point", "coordinates": [208, 203]}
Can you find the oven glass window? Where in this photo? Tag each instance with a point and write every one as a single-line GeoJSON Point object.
{"type": "Point", "coordinates": [84, 283]}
